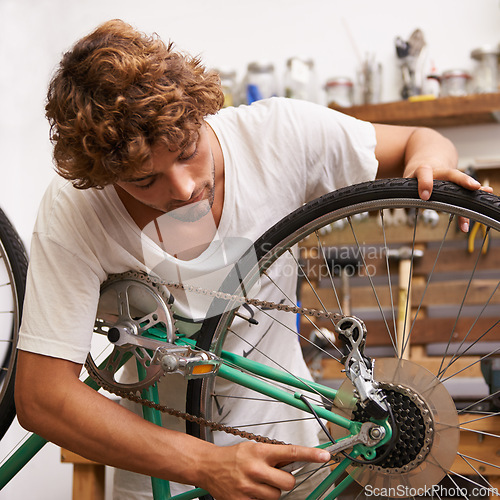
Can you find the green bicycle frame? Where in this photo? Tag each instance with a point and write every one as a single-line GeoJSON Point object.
{"type": "Point", "coordinates": [247, 373]}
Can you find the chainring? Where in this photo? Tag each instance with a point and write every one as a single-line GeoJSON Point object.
{"type": "Point", "coordinates": [131, 303]}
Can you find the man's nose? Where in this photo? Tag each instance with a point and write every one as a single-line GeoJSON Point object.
{"type": "Point", "coordinates": [182, 184]}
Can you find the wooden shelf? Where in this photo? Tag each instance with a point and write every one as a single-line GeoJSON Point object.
{"type": "Point", "coordinates": [442, 112]}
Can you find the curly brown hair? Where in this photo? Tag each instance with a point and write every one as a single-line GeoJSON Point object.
{"type": "Point", "coordinates": [118, 92]}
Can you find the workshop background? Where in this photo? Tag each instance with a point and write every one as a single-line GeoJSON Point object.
{"type": "Point", "coordinates": [339, 37]}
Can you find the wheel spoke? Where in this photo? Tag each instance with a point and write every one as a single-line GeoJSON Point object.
{"type": "Point", "coordinates": [486, 398]}
{"type": "Point", "coordinates": [457, 487]}
{"type": "Point", "coordinates": [468, 479]}
{"type": "Point", "coordinates": [406, 335]}
{"type": "Point", "coordinates": [281, 367]}
{"type": "Point", "coordinates": [458, 354]}
{"type": "Point", "coordinates": [389, 280]}
{"type": "Point", "coordinates": [375, 294]}
{"type": "Point", "coordinates": [473, 272]}
{"type": "Point", "coordinates": [489, 415]}
{"type": "Point", "coordinates": [487, 483]}
{"type": "Point", "coordinates": [429, 279]}
{"type": "Point", "coordinates": [270, 422]}
{"type": "Point", "coordinates": [308, 475]}
{"type": "Point", "coordinates": [246, 398]}
{"type": "Point", "coordinates": [470, 365]}
{"type": "Point", "coordinates": [475, 459]}
{"type": "Point", "coordinates": [330, 276]}
{"type": "Point", "coordinates": [311, 322]}
{"type": "Point", "coordinates": [313, 289]}
{"type": "Point", "coordinates": [295, 333]}
{"type": "Point", "coordinates": [482, 433]}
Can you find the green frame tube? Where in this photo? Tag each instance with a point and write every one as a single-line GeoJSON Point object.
{"type": "Point", "coordinates": [20, 458]}
{"type": "Point", "coordinates": [239, 377]}
{"type": "Point", "coordinates": [161, 488]}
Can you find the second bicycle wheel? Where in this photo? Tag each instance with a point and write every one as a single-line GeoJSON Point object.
{"type": "Point", "coordinates": [13, 267]}
{"type": "Point", "coordinates": [428, 295]}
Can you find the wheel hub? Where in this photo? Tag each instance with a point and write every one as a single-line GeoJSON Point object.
{"type": "Point", "coordinates": [414, 430]}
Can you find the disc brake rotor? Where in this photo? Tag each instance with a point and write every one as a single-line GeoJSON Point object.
{"type": "Point", "coordinates": [129, 305]}
{"type": "Point", "coordinates": [426, 437]}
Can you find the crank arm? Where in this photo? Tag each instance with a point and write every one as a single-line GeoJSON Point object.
{"type": "Point", "coordinates": [171, 357]}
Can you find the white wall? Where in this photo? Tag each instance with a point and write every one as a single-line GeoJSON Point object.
{"type": "Point", "coordinates": [34, 33]}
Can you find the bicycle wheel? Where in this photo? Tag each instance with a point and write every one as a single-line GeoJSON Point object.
{"type": "Point", "coordinates": [428, 295]}
{"type": "Point", "coordinates": [13, 267]}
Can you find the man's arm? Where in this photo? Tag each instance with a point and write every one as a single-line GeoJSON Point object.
{"type": "Point", "coordinates": [420, 153]}
{"type": "Point", "coordinates": [52, 402]}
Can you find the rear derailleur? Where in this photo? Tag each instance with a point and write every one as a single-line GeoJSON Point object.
{"type": "Point", "coordinates": [359, 367]}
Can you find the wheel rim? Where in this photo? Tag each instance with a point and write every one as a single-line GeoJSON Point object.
{"type": "Point", "coordinates": [9, 320]}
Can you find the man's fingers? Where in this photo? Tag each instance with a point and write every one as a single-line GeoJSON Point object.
{"type": "Point", "coordinates": [280, 455]}
{"type": "Point", "coordinates": [463, 223]}
{"type": "Point", "coordinates": [465, 180]}
{"type": "Point", "coordinates": [279, 479]}
{"type": "Point", "coordinates": [284, 454]}
{"type": "Point", "coordinates": [265, 491]}
{"type": "Point", "coordinates": [425, 176]}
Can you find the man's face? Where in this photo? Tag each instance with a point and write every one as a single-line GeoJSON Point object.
{"type": "Point", "coordinates": [180, 183]}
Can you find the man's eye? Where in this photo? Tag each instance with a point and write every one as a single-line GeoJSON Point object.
{"type": "Point", "coordinates": [146, 184]}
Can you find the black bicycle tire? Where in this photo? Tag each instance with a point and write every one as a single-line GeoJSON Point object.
{"type": "Point", "coordinates": [443, 192]}
{"type": "Point", "coordinates": [18, 266]}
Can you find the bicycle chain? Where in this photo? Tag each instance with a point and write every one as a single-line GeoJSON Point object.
{"type": "Point", "coordinates": [317, 313]}
{"type": "Point", "coordinates": [214, 426]}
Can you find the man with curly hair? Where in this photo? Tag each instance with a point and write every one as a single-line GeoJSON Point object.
{"type": "Point", "coordinates": [138, 134]}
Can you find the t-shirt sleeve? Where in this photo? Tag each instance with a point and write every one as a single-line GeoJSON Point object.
{"type": "Point", "coordinates": [60, 304]}
{"type": "Point", "coordinates": [338, 150]}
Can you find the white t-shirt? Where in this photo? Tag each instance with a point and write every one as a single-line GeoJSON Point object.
{"type": "Point", "coordinates": [278, 154]}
